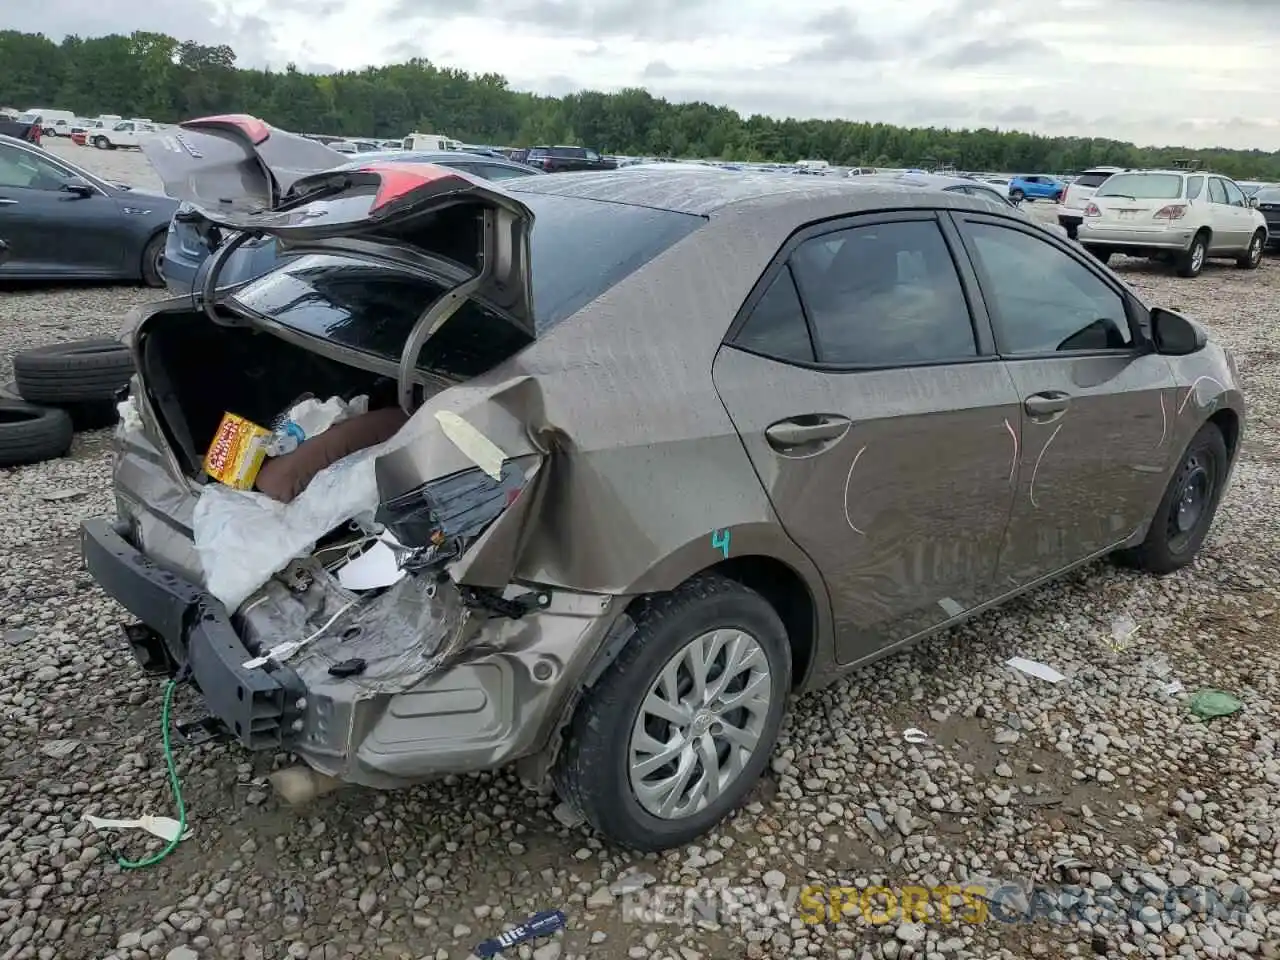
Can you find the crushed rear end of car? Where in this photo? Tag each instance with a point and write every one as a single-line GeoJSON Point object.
{"type": "Point", "coordinates": [368, 618]}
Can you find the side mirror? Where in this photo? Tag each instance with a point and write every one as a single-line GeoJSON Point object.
{"type": "Point", "coordinates": [1253, 202]}
{"type": "Point", "coordinates": [81, 188]}
{"type": "Point", "coordinates": [1174, 335]}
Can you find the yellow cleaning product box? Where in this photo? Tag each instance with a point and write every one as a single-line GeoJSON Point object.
{"type": "Point", "coordinates": [237, 452]}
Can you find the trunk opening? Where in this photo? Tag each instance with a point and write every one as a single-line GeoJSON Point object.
{"type": "Point", "coordinates": [196, 371]}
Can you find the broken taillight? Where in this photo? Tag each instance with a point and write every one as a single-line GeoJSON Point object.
{"type": "Point", "coordinates": [440, 518]}
{"type": "Point", "coordinates": [397, 179]}
{"type": "Point", "coordinates": [1091, 210]}
{"type": "Point", "coordinates": [1174, 211]}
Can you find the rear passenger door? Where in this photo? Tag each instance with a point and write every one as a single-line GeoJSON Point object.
{"type": "Point", "coordinates": [1096, 401]}
{"type": "Point", "coordinates": [878, 419]}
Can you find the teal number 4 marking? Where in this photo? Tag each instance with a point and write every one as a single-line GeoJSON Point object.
{"type": "Point", "coordinates": [720, 541]}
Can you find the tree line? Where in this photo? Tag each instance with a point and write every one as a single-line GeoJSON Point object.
{"type": "Point", "coordinates": [157, 76]}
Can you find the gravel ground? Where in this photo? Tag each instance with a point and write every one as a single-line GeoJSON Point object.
{"type": "Point", "coordinates": [1104, 781]}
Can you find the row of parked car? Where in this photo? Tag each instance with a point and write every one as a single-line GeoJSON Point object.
{"type": "Point", "coordinates": [1180, 216]}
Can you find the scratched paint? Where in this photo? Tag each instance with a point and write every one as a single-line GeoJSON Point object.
{"type": "Point", "coordinates": [847, 480]}
{"type": "Point", "coordinates": [1164, 420]}
{"type": "Point", "coordinates": [1192, 392]}
{"type": "Point", "coordinates": [1013, 435]}
{"type": "Point", "coordinates": [1036, 470]}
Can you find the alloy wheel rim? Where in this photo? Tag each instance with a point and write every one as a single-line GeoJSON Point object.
{"type": "Point", "coordinates": [1197, 256]}
{"type": "Point", "coordinates": [1255, 249]}
{"type": "Point", "coordinates": [699, 724]}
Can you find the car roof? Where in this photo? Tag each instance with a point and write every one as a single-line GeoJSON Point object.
{"type": "Point", "coordinates": [693, 192]}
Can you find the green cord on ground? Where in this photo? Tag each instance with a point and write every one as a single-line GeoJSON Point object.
{"type": "Point", "coordinates": [172, 767]}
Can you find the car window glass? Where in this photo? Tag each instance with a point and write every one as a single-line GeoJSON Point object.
{"type": "Point", "coordinates": [884, 294]}
{"type": "Point", "coordinates": [1195, 186]}
{"type": "Point", "coordinates": [1067, 307]}
{"type": "Point", "coordinates": [776, 327]}
{"type": "Point", "coordinates": [495, 171]}
{"type": "Point", "coordinates": [1235, 196]}
{"type": "Point", "coordinates": [592, 155]}
{"type": "Point", "coordinates": [1217, 193]}
{"type": "Point", "coordinates": [20, 168]}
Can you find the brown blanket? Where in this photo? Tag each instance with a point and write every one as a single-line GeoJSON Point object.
{"type": "Point", "coordinates": [283, 478]}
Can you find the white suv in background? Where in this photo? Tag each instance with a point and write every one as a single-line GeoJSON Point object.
{"type": "Point", "coordinates": [1079, 192]}
{"type": "Point", "coordinates": [1178, 216]}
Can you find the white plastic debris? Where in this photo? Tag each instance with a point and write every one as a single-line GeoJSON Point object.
{"type": "Point", "coordinates": [1123, 630]}
{"type": "Point", "coordinates": [377, 567]}
{"type": "Point", "coordinates": [166, 828]}
{"type": "Point", "coordinates": [915, 735]}
{"type": "Point", "coordinates": [244, 537]}
{"type": "Point", "coordinates": [130, 419]}
{"type": "Point", "coordinates": [1034, 668]}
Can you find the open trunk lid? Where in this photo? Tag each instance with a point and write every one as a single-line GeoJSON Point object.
{"type": "Point", "coordinates": [235, 161]}
{"type": "Point", "coordinates": [411, 208]}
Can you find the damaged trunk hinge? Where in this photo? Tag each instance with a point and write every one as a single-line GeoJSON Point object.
{"type": "Point", "coordinates": [491, 601]}
{"type": "Point", "coordinates": [444, 307]}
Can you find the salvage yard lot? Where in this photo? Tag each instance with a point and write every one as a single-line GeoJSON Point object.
{"type": "Point", "coordinates": [1106, 770]}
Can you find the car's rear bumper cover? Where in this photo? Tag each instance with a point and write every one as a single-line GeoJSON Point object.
{"type": "Point", "coordinates": [1121, 237]}
{"type": "Point", "coordinates": [444, 689]}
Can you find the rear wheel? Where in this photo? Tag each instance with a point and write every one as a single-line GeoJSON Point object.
{"type": "Point", "coordinates": [675, 734]}
{"type": "Point", "coordinates": [1186, 510]}
{"type": "Point", "coordinates": [153, 261]}
{"type": "Point", "coordinates": [1191, 261]}
{"type": "Point", "coordinates": [1251, 259]}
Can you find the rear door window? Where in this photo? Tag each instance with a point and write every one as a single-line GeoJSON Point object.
{"type": "Point", "coordinates": [884, 294]}
{"type": "Point", "coordinates": [1195, 186]}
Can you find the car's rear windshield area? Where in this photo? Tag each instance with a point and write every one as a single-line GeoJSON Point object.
{"type": "Point", "coordinates": [1093, 178]}
{"type": "Point", "coordinates": [1143, 186]}
{"type": "Point", "coordinates": [579, 250]}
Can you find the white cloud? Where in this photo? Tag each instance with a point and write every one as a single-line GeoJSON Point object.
{"type": "Point", "coordinates": [1192, 72]}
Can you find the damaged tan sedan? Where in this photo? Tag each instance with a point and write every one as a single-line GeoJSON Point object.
{"type": "Point", "coordinates": [642, 454]}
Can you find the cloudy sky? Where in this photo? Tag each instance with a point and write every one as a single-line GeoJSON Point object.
{"type": "Point", "coordinates": [1193, 72]}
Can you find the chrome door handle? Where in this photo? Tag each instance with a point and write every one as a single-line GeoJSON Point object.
{"type": "Point", "coordinates": [7, 203]}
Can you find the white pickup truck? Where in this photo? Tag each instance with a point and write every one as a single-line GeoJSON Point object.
{"type": "Point", "coordinates": [125, 133]}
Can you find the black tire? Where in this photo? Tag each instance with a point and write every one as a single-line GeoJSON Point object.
{"type": "Point", "coordinates": [153, 260]}
{"type": "Point", "coordinates": [100, 142]}
{"type": "Point", "coordinates": [1101, 254]}
{"type": "Point", "coordinates": [592, 769]}
{"type": "Point", "coordinates": [1191, 261]}
{"type": "Point", "coordinates": [1251, 259]}
{"type": "Point", "coordinates": [75, 372]}
{"type": "Point", "coordinates": [31, 434]}
{"type": "Point", "coordinates": [1171, 545]}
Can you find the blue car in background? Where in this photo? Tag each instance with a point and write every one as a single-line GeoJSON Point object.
{"type": "Point", "coordinates": [191, 239]}
{"type": "Point", "coordinates": [1036, 186]}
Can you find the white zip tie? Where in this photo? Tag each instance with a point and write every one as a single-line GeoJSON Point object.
{"type": "Point", "coordinates": [283, 651]}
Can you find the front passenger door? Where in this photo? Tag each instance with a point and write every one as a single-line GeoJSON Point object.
{"type": "Point", "coordinates": [878, 420]}
{"type": "Point", "coordinates": [1097, 404]}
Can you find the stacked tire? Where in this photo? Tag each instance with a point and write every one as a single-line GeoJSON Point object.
{"type": "Point", "coordinates": [63, 386]}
